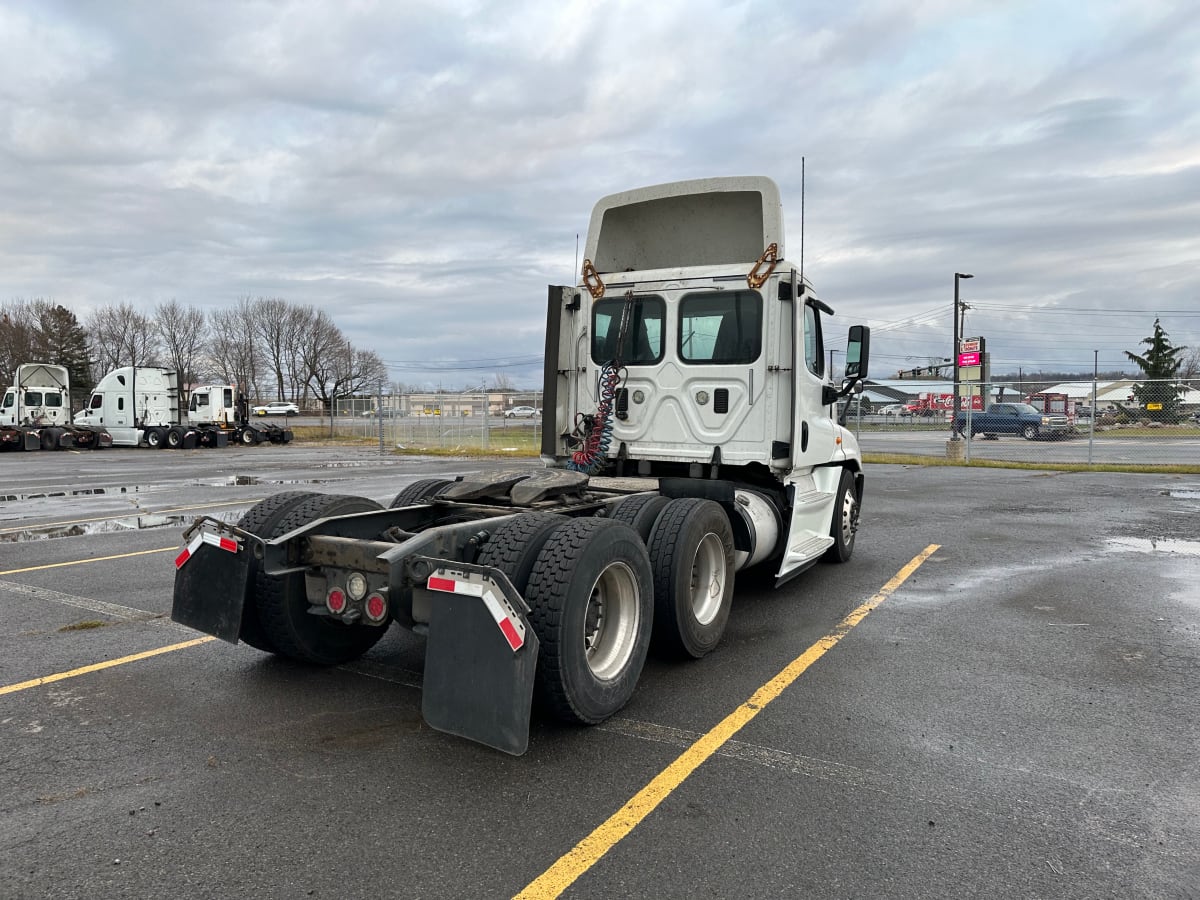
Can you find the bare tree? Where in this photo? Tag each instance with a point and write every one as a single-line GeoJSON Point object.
{"type": "Point", "coordinates": [183, 333]}
{"type": "Point", "coordinates": [300, 320]}
{"type": "Point", "coordinates": [234, 355]}
{"type": "Point", "coordinates": [320, 351]}
{"type": "Point", "coordinates": [271, 322]}
{"type": "Point", "coordinates": [122, 336]}
{"type": "Point", "coordinates": [1189, 367]}
{"type": "Point", "coordinates": [17, 335]}
{"type": "Point", "coordinates": [503, 382]}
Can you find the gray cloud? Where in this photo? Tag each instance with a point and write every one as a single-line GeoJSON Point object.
{"type": "Point", "coordinates": [421, 171]}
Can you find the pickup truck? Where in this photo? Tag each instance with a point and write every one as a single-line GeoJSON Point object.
{"type": "Point", "coordinates": [1012, 418]}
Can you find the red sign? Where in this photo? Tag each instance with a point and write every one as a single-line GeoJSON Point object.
{"type": "Point", "coordinates": [968, 359]}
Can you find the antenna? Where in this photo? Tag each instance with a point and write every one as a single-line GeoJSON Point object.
{"type": "Point", "coordinates": [802, 218]}
{"type": "Point", "coordinates": [575, 271]}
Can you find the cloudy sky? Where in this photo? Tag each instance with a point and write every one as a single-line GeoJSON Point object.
{"type": "Point", "coordinates": [421, 169]}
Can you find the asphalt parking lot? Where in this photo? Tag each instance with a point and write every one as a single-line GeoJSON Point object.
{"type": "Point", "coordinates": [1013, 715]}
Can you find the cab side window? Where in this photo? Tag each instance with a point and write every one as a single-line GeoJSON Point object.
{"type": "Point", "coordinates": [814, 356]}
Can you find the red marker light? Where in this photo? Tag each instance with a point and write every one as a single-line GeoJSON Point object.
{"type": "Point", "coordinates": [376, 608]}
{"type": "Point", "coordinates": [335, 601]}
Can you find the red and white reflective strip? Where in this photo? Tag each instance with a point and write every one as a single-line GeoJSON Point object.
{"type": "Point", "coordinates": [510, 625]}
{"type": "Point", "coordinates": [205, 537]}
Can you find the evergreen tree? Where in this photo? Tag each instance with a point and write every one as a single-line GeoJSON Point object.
{"type": "Point", "coordinates": [60, 339]}
{"type": "Point", "coordinates": [1160, 370]}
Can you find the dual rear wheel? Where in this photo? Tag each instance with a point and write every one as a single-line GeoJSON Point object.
{"type": "Point", "coordinates": [275, 614]}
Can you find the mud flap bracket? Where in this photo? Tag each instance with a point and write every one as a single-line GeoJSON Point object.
{"type": "Point", "coordinates": [481, 655]}
{"type": "Point", "coordinates": [210, 581]}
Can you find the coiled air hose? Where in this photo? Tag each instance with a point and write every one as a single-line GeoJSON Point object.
{"type": "Point", "coordinates": [599, 436]}
{"type": "Point", "coordinates": [600, 427]}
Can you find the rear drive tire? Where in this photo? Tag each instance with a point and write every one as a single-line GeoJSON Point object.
{"type": "Point", "coordinates": [691, 551]}
{"type": "Point", "coordinates": [639, 512]}
{"type": "Point", "coordinates": [283, 604]}
{"type": "Point", "coordinates": [154, 438]}
{"type": "Point", "coordinates": [174, 438]}
{"type": "Point", "coordinates": [261, 520]}
{"type": "Point", "coordinates": [589, 594]}
{"type": "Point", "coordinates": [844, 525]}
{"type": "Point", "coordinates": [249, 437]}
{"type": "Point", "coordinates": [515, 545]}
{"type": "Point", "coordinates": [419, 491]}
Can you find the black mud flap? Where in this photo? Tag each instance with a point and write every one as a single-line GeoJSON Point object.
{"type": "Point", "coordinates": [480, 659]}
{"type": "Point", "coordinates": [210, 584]}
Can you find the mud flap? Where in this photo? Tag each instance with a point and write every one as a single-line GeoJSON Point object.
{"type": "Point", "coordinates": [480, 659]}
{"type": "Point", "coordinates": [210, 585]}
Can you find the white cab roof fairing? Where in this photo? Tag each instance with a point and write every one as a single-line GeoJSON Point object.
{"type": "Point", "coordinates": [42, 375]}
{"type": "Point", "coordinates": [704, 222]}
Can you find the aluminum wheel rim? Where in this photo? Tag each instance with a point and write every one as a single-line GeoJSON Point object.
{"type": "Point", "coordinates": [612, 621]}
{"type": "Point", "coordinates": [708, 578]}
{"type": "Point", "coordinates": [849, 523]}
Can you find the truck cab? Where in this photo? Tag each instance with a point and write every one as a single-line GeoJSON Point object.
{"type": "Point", "coordinates": [130, 401]}
{"type": "Point", "coordinates": [41, 396]}
{"type": "Point", "coordinates": [693, 348]}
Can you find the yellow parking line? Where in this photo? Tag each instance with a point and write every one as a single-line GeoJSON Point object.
{"type": "Point", "coordinates": [96, 667]}
{"type": "Point", "coordinates": [80, 562]}
{"type": "Point", "coordinates": [592, 848]}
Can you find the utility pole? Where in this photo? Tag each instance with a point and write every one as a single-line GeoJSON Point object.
{"type": "Point", "coordinates": [954, 356]}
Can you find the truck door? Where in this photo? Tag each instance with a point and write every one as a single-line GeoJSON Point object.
{"type": "Point", "coordinates": [813, 444]}
{"type": "Point", "coordinates": [813, 426]}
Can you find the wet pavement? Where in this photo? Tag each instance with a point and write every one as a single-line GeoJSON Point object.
{"type": "Point", "coordinates": [1017, 719]}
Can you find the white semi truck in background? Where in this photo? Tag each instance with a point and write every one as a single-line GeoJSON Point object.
{"type": "Point", "coordinates": [139, 406]}
{"type": "Point", "coordinates": [690, 361]}
{"type": "Point", "coordinates": [130, 407]}
{"type": "Point", "coordinates": [35, 412]}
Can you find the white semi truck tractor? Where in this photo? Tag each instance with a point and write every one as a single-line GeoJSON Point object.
{"type": "Point", "coordinates": [35, 412]}
{"type": "Point", "coordinates": [139, 406]}
{"type": "Point", "coordinates": [689, 362]}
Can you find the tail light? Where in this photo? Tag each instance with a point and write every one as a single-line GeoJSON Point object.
{"type": "Point", "coordinates": [376, 607]}
{"type": "Point", "coordinates": [335, 601]}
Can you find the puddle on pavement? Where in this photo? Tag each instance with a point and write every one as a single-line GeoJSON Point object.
{"type": "Point", "coordinates": [226, 481]}
{"type": "Point", "coordinates": [6, 498]}
{"type": "Point", "coordinates": [109, 526]}
{"type": "Point", "coordinates": [1184, 495]}
{"type": "Point", "coordinates": [1154, 545]}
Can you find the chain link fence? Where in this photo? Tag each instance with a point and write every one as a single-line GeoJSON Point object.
{"type": "Point", "coordinates": [501, 422]}
{"type": "Point", "coordinates": [1127, 424]}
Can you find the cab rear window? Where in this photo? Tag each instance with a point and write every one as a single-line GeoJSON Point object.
{"type": "Point", "coordinates": [720, 328]}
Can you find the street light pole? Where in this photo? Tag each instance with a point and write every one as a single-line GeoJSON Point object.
{"type": "Point", "coordinates": [954, 403]}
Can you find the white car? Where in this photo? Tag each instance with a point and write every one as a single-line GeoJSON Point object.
{"type": "Point", "coordinates": [520, 412]}
{"type": "Point", "coordinates": [277, 408]}
{"type": "Point", "coordinates": [896, 409]}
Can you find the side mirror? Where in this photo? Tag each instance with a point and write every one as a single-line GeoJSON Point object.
{"type": "Point", "coordinates": [858, 352]}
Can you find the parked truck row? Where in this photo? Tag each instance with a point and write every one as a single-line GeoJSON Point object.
{"type": "Point", "coordinates": [690, 361]}
{"type": "Point", "coordinates": [133, 406]}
